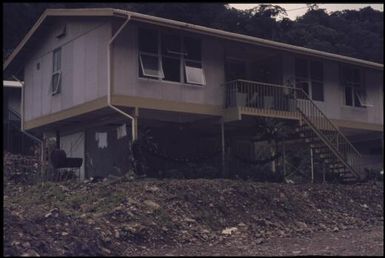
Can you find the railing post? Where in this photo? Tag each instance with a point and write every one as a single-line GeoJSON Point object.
{"type": "Point", "coordinates": [223, 148]}
{"type": "Point", "coordinates": [312, 165]}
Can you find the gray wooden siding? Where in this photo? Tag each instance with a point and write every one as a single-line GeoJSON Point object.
{"type": "Point", "coordinates": [84, 73]}
{"type": "Point", "coordinates": [83, 66]}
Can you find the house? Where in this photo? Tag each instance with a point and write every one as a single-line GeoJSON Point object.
{"type": "Point", "coordinates": [95, 79]}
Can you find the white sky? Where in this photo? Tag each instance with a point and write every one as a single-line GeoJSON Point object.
{"type": "Point", "coordinates": [294, 10]}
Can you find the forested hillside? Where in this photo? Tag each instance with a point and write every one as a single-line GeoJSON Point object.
{"type": "Point", "coordinates": [352, 33]}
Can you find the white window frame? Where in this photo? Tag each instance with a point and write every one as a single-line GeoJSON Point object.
{"type": "Point", "coordinates": [187, 68]}
{"type": "Point", "coordinates": [355, 87]}
{"type": "Point", "coordinates": [160, 74]}
{"type": "Point", "coordinates": [55, 89]}
{"type": "Point", "coordinates": [183, 67]}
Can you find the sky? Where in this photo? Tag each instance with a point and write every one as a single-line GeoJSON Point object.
{"type": "Point", "coordinates": [294, 10]}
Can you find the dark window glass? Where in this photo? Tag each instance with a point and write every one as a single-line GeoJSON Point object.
{"type": "Point", "coordinates": [304, 86]}
{"type": "Point", "coordinates": [171, 69]}
{"type": "Point", "coordinates": [192, 47]}
{"type": "Point", "coordinates": [56, 64]}
{"type": "Point", "coordinates": [317, 91]}
{"type": "Point", "coordinates": [235, 70]}
{"type": "Point", "coordinates": [359, 97]}
{"type": "Point", "coordinates": [316, 70]}
{"type": "Point", "coordinates": [301, 68]}
{"type": "Point", "coordinates": [348, 96]}
{"type": "Point", "coordinates": [171, 45]}
{"type": "Point", "coordinates": [148, 41]}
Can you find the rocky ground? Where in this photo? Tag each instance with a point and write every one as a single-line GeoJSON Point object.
{"type": "Point", "coordinates": [184, 217]}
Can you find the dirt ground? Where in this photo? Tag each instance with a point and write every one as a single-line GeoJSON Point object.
{"type": "Point", "coordinates": [354, 242]}
{"type": "Point", "coordinates": [121, 217]}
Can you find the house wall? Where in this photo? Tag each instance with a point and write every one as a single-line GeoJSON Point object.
{"type": "Point", "coordinates": [127, 82]}
{"type": "Point", "coordinates": [333, 105]}
{"type": "Point", "coordinates": [84, 72]}
{"type": "Point", "coordinates": [83, 66]}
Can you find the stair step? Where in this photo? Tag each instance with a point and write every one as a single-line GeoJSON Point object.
{"type": "Point", "coordinates": [319, 147]}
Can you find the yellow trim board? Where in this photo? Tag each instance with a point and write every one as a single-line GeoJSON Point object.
{"type": "Point", "coordinates": [167, 105]}
{"type": "Point", "coordinates": [358, 125]}
{"type": "Point", "coordinates": [67, 113]}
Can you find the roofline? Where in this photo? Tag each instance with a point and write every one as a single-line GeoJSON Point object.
{"type": "Point", "coordinates": [193, 28]}
{"type": "Point", "coordinates": [12, 84]}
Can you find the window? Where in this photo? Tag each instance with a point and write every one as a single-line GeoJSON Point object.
{"type": "Point", "coordinates": [193, 61]}
{"type": "Point", "coordinates": [235, 69]}
{"type": "Point", "coordinates": [149, 59]}
{"type": "Point", "coordinates": [62, 31]}
{"type": "Point", "coordinates": [56, 72]}
{"type": "Point", "coordinates": [351, 80]}
{"type": "Point", "coordinates": [171, 61]}
{"type": "Point", "coordinates": [309, 78]}
{"type": "Point", "coordinates": [170, 56]}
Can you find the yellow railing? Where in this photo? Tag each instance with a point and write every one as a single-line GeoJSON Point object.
{"type": "Point", "coordinates": [251, 95]}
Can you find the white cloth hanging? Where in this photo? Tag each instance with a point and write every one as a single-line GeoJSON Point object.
{"type": "Point", "coordinates": [101, 138]}
{"type": "Point", "coordinates": [121, 131]}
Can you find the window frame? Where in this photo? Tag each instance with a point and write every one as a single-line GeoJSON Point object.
{"type": "Point", "coordinates": [309, 80]}
{"type": "Point", "coordinates": [56, 71]}
{"type": "Point", "coordinates": [356, 87]}
{"type": "Point", "coordinates": [176, 55]}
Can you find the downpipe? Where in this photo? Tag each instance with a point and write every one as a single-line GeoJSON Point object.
{"type": "Point", "coordinates": [134, 136]}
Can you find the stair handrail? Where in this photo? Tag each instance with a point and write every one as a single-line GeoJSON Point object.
{"type": "Point", "coordinates": [308, 99]}
{"type": "Point", "coordinates": [10, 110]}
{"type": "Point", "coordinates": [329, 121]}
{"type": "Point", "coordinates": [330, 146]}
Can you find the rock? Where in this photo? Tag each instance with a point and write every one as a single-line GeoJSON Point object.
{"type": "Point", "coordinates": [296, 252]}
{"type": "Point", "coordinates": [259, 241]}
{"type": "Point", "coordinates": [189, 220]}
{"type": "Point", "coordinates": [30, 252]}
{"type": "Point", "coordinates": [64, 233]}
{"type": "Point", "coordinates": [151, 204]}
{"type": "Point", "coordinates": [335, 229]}
{"type": "Point", "coordinates": [229, 231]}
{"type": "Point", "coordinates": [117, 234]}
{"type": "Point", "coordinates": [151, 188]}
{"type": "Point", "coordinates": [301, 225]}
{"type": "Point", "coordinates": [26, 245]}
{"type": "Point", "coordinates": [242, 224]}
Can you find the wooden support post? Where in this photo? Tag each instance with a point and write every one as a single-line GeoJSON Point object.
{"type": "Point", "coordinates": [273, 163]}
{"type": "Point", "coordinates": [223, 148]}
{"type": "Point", "coordinates": [57, 139]}
{"type": "Point", "coordinates": [323, 174]}
{"type": "Point", "coordinates": [135, 124]}
{"type": "Point", "coordinates": [312, 165]}
{"type": "Point", "coordinates": [284, 158]}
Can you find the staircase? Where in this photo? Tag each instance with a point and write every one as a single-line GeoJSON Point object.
{"type": "Point", "coordinates": [327, 142]}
